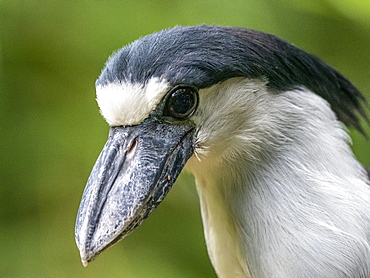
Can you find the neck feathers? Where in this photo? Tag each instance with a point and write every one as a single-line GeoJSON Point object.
{"type": "Point", "coordinates": [283, 196]}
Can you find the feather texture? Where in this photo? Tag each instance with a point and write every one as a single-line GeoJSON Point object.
{"type": "Point", "coordinates": [203, 55]}
{"type": "Point", "coordinates": [282, 194]}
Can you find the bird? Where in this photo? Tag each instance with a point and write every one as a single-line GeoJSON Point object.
{"type": "Point", "coordinates": [263, 127]}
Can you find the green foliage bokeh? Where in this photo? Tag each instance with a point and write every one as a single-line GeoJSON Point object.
{"type": "Point", "coordinates": [51, 131]}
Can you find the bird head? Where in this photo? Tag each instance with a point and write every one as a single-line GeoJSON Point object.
{"type": "Point", "coordinates": [170, 97]}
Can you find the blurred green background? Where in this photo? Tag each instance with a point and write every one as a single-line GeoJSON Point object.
{"type": "Point", "coordinates": [51, 130]}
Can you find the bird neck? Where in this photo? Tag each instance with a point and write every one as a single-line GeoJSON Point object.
{"type": "Point", "coordinates": [266, 202]}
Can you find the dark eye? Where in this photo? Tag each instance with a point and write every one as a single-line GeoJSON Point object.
{"type": "Point", "coordinates": [182, 102]}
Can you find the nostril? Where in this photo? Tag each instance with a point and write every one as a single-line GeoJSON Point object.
{"type": "Point", "coordinates": [131, 147]}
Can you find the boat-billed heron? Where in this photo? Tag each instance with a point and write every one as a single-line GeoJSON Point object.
{"type": "Point", "coordinates": [261, 125]}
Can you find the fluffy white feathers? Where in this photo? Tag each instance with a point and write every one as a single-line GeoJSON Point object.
{"type": "Point", "coordinates": [281, 192]}
{"type": "Point", "coordinates": [129, 104]}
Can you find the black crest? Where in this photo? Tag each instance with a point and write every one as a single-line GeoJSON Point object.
{"type": "Point", "coordinates": [205, 55]}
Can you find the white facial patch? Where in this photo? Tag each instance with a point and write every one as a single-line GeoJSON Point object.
{"type": "Point", "coordinates": [129, 104]}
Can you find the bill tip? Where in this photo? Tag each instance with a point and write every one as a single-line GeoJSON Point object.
{"type": "Point", "coordinates": [85, 263]}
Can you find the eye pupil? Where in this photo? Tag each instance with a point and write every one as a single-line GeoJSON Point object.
{"type": "Point", "coordinates": [182, 102]}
